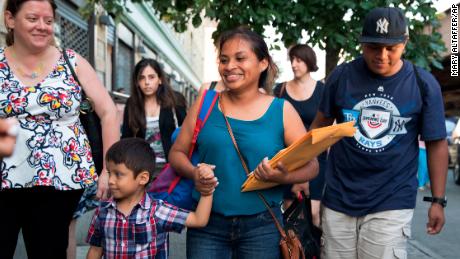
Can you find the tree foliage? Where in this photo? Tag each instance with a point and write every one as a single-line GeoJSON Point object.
{"type": "Point", "coordinates": [334, 25]}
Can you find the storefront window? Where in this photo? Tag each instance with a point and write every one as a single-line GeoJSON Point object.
{"type": "Point", "coordinates": [124, 68]}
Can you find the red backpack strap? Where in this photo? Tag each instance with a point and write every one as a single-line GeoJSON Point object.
{"type": "Point", "coordinates": [207, 102]}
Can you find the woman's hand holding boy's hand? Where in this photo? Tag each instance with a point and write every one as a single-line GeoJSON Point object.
{"type": "Point", "coordinates": [264, 172]}
{"type": "Point", "coordinates": [204, 179]}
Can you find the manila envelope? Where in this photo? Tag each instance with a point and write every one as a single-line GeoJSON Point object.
{"type": "Point", "coordinates": [302, 151]}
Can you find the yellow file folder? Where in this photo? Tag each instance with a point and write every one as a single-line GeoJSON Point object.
{"type": "Point", "coordinates": [303, 150]}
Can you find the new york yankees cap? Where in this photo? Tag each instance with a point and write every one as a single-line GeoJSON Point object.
{"type": "Point", "coordinates": [385, 25]}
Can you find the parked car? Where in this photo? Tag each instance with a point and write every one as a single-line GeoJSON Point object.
{"type": "Point", "coordinates": [456, 170]}
{"type": "Point", "coordinates": [454, 146]}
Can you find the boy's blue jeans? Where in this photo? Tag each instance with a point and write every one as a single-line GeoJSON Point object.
{"type": "Point", "coordinates": [242, 237]}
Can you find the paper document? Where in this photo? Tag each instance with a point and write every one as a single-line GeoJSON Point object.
{"type": "Point", "coordinates": [302, 151]}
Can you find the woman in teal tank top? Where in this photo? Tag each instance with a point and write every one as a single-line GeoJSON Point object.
{"type": "Point", "coordinates": [240, 225]}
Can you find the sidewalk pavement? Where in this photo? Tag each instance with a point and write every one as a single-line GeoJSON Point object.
{"type": "Point", "coordinates": [177, 244]}
{"type": "Point", "coordinates": [416, 250]}
{"type": "Point", "coordinates": [177, 247]}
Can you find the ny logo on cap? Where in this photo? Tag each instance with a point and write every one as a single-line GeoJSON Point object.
{"type": "Point", "coordinates": [382, 26]}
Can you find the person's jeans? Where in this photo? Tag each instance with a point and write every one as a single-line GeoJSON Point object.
{"type": "Point", "coordinates": [242, 237]}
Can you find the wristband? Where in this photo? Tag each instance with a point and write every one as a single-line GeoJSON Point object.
{"type": "Point", "coordinates": [441, 201]}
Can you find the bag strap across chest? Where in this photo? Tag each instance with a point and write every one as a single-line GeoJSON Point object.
{"type": "Point", "coordinates": [289, 244]}
{"type": "Point", "coordinates": [246, 169]}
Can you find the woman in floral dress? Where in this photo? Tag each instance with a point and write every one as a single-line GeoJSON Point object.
{"type": "Point", "coordinates": [42, 182]}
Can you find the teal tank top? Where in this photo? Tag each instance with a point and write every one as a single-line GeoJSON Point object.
{"type": "Point", "coordinates": [256, 139]}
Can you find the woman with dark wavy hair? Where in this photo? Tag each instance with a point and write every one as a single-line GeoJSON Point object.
{"type": "Point", "coordinates": [154, 110]}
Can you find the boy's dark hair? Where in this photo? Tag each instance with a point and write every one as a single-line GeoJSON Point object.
{"type": "Point", "coordinates": [135, 154]}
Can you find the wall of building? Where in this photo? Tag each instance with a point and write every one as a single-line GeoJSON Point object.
{"type": "Point", "coordinates": [114, 49]}
{"type": "Point", "coordinates": [450, 85]}
{"type": "Point", "coordinates": [199, 49]}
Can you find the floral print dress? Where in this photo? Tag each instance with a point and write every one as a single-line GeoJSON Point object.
{"type": "Point", "coordinates": [51, 148]}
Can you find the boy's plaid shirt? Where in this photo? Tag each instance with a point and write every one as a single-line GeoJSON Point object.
{"type": "Point", "coordinates": [140, 235]}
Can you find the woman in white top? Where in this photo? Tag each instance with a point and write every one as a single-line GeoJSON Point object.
{"type": "Point", "coordinates": [154, 110]}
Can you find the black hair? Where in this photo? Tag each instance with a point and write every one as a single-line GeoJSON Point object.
{"type": "Point", "coordinates": [135, 154]}
{"type": "Point", "coordinates": [164, 94]}
{"type": "Point", "coordinates": [259, 47]}
{"type": "Point", "coordinates": [306, 54]}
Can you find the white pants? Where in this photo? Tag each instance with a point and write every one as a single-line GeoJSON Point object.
{"type": "Point", "coordinates": [378, 235]}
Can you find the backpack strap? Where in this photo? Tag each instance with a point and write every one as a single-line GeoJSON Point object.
{"type": "Point", "coordinates": [279, 89]}
{"type": "Point", "coordinates": [176, 123]}
{"type": "Point", "coordinates": [207, 102]}
{"type": "Point", "coordinates": [212, 85]}
{"type": "Point", "coordinates": [420, 83]}
{"type": "Point", "coordinates": [283, 88]}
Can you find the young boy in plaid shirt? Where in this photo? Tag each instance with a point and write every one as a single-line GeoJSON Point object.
{"type": "Point", "coordinates": [132, 224]}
